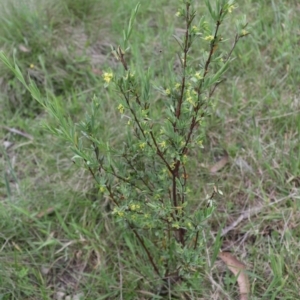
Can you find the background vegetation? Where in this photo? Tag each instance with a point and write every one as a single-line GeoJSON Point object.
{"type": "Point", "coordinates": [55, 240]}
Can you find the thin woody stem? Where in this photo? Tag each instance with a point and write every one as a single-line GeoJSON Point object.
{"type": "Point", "coordinates": [159, 153]}
{"type": "Point", "coordinates": [146, 250]}
{"type": "Point", "coordinates": [184, 64]}
{"type": "Point", "coordinates": [194, 121]}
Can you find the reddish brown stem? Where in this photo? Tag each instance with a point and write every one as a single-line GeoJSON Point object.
{"type": "Point", "coordinates": [146, 250]}
{"type": "Point", "coordinates": [185, 52]}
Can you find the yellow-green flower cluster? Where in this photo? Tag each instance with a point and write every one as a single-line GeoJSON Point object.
{"type": "Point", "coordinates": [163, 144]}
{"type": "Point", "coordinates": [244, 32]}
{"type": "Point", "coordinates": [209, 38]}
{"type": "Point", "coordinates": [200, 144]}
{"type": "Point", "coordinates": [108, 76]}
{"type": "Point", "coordinates": [118, 211]}
{"type": "Point", "coordinates": [189, 225]}
{"type": "Point", "coordinates": [231, 8]}
{"type": "Point", "coordinates": [129, 75]}
{"type": "Point", "coordinates": [198, 75]}
{"type": "Point", "coordinates": [142, 145]}
{"type": "Point", "coordinates": [195, 29]}
{"type": "Point", "coordinates": [157, 196]}
{"type": "Point", "coordinates": [205, 26]}
{"type": "Point", "coordinates": [177, 86]}
{"type": "Point", "coordinates": [190, 96]}
{"type": "Point", "coordinates": [121, 108]}
{"type": "Point", "coordinates": [134, 207]}
{"type": "Point", "coordinates": [144, 113]}
{"type": "Point", "coordinates": [165, 172]}
{"type": "Point", "coordinates": [175, 225]}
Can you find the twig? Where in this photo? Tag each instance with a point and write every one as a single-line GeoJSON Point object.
{"type": "Point", "coordinates": [121, 276]}
{"type": "Point", "coordinates": [184, 65]}
{"type": "Point", "coordinates": [249, 213]}
{"type": "Point", "coordinates": [194, 121]}
{"type": "Point", "coordinates": [280, 116]}
{"type": "Point", "coordinates": [159, 153]}
{"type": "Point", "coordinates": [245, 215]}
{"type": "Point", "coordinates": [19, 132]}
{"type": "Point", "coordinates": [146, 250]}
{"type": "Point", "coordinates": [218, 287]}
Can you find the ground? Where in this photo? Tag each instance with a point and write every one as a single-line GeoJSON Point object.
{"type": "Point", "coordinates": [54, 233]}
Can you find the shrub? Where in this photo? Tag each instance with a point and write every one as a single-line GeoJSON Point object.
{"type": "Point", "coordinates": [147, 178]}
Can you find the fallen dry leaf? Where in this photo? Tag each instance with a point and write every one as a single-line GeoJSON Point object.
{"type": "Point", "coordinates": [220, 164]}
{"type": "Point", "coordinates": [7, 144]}
{"type": "Point", "coordinates": [17, 246]}
{"type": "Point", "coordinates": [23, 48]}
{"type": "Point", "coordinates": [238, 269]}
{"type": "Point", "coordinates": [48, 211]}
{"type": "Point", "coordinates": [243, 165]}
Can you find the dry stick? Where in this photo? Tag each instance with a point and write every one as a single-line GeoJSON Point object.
{"type": "Point", "coordinates": [249, 213]}
{"type": "Point", "coordinates": [19, 132]}
{"type": "Point", "coordinates": [245, 215]}
{"type": "Point", "coordinates": [280, 116]}
{"type": "Point", "coordinates": [219, 288]}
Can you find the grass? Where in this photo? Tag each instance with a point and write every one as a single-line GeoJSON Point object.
{"type": "Point", "coordinates": [57, 235]}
